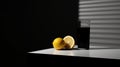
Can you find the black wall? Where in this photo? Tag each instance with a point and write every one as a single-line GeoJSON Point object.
{"type": "Point", "coordinates": [32, 25]}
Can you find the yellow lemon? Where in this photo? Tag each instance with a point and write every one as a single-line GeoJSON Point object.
{"type": "Point", "coordinates": [58, 43]}
{"type": "Point", "coordinates": [70, 41]}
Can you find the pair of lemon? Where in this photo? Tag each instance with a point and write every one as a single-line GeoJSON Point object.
{"type": "Point", "coordinates": [67, 42]}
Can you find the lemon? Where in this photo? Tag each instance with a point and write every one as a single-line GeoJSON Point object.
{"type": "Point", "coordinates": [58, 43]}
{"type": "Point", "coordinates": [69, 41]}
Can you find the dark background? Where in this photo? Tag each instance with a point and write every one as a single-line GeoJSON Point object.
{"type": "Point", "coordinates": [32, 25]}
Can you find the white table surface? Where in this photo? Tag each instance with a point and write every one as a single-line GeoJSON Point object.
{"type": "Point", "coordinates": [95, 53]}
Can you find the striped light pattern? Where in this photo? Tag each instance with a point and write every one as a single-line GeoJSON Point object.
{"type": "Point", "coordinates": [104, 19]}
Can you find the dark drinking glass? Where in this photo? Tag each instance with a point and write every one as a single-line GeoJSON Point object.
{"type": "Point", "coordinates": [83, 35]}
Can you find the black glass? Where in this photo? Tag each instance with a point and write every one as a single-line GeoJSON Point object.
{"type": "Point", "coordinates": [83, 36]}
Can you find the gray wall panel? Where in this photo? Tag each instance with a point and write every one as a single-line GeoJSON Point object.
{"type": "Point", "coordinates": [95, 1]}
{"type": "Point", "coordinates": [105, 36]}
{"type": "Point", "coordinates": [100, 17]}
{"type": "Point", "coordinates": [100, 13]}
{"type": "Point", "coordinates": [112, 8]}
{"type": "Point", "coordinates": [101, 4]}
{"type": "Point", "coordinates": [104, 20]}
